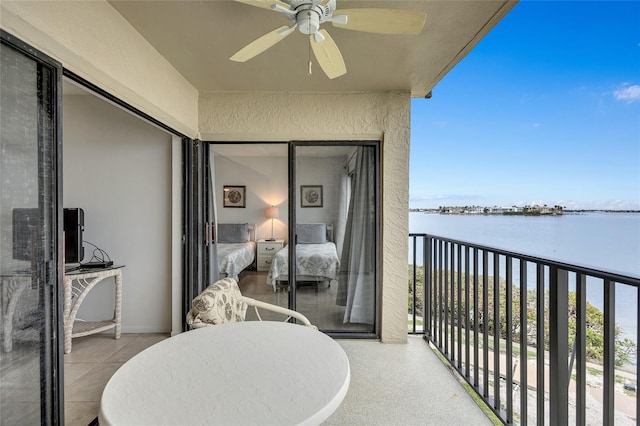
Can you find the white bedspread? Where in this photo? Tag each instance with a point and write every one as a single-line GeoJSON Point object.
{"type": "Point", "coordinates": [312, 260]}
{"type": "Point", "coordinates": [234, 257]}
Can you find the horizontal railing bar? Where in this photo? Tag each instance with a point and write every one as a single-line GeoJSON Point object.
{"type": "Point", "coordinates": [619, 277]}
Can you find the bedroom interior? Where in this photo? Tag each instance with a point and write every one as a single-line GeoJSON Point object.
{"type": "Point", "coordinates": [335, 227]}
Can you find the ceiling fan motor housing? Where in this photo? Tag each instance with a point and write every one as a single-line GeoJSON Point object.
{"type": "Point", "coordinates": [310, 14]}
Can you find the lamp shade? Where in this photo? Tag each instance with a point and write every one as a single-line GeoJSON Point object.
{"type": "Point", "coordinates": [271, 212]}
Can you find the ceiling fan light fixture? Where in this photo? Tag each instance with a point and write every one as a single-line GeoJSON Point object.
{"type": "Point", "coordinates": [308, 21]}
{"type": "Point", "coordinates": [339, 19]}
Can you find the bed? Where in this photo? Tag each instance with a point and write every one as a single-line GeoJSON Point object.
{"type": "Point", "coordinates": [316, 257]}
{"type": "Point", "coordinates": [236, 248]}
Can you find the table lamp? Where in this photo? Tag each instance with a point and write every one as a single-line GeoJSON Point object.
{"type": "Point", "coordinates": [271, 213]}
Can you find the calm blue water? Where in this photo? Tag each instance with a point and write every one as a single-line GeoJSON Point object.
{"type": "Point", "coordinates": [607, 241]}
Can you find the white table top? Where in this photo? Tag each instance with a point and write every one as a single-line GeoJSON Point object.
{"type": "Point", "coordinates": [240, 373]}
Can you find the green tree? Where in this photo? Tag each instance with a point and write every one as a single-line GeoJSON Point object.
{"type": "Point", "coordinates": [625, 349]}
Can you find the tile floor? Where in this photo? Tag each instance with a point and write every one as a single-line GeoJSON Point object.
{"type": "Point", "coordinates": [95, 358]}
{"type": "Point", "coordinates": [87, 369]}
{"type": "Point", "coordinates": [318, 303]}
{"type": "Point", "coordinates": [391, 384]}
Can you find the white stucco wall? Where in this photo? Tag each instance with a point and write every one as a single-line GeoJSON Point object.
{"type": "Point", "coordinates": [94, 41]}
{"type": "Point", "coordinates": [362, 116]}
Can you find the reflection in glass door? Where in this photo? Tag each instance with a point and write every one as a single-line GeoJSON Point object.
{"type": "Point", "coordinates": [250, 186]}
{"type": "Point", "coordinates": [29, 354]}
{"type": "Point", "coordinates": [336, 214]}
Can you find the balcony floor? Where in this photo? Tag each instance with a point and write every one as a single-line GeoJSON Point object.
{"type": "Point", "coordinates": [391, 384]}
{"type": "Point", "coordinates": [398, 384]}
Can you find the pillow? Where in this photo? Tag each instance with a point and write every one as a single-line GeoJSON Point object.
{"type": "Point", "coordinates": [312, 233]}
{"type": "Point", "coordinates": [233, 232]}
{"type": "Point", "coordinates": [219, 303]}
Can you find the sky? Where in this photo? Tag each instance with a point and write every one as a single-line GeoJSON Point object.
{"type": "Point", "coordinates": [544, 110]}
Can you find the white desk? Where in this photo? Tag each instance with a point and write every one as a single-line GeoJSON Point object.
{"type": "Point", "coordinates": [77, 284]}
{"type": "Point", "coordinates": [13, 285]}
{"type": "Point", "coordinates": [247, 373]}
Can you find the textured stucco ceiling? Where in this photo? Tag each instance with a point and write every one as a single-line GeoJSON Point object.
{"type": "Point", "coordinates": [198, 37]}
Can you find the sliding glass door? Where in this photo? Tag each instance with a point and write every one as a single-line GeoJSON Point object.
{"type": "Point", "coordinates": [198, 253]}
{"type": "Point", "coordinates": [336, 234]}
{"type": "Point", "coordinates": [298, 225]}
{"type": "Point", "coordinates": [30, 231]}
{"type": "Point", "coordinates": [250, 192]}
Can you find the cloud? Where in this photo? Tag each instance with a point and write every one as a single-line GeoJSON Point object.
{"type": "Point", "coordinates": [628, 94]}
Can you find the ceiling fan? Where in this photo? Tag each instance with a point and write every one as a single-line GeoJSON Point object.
{"type": "Point", "coordinates": [307, 15]}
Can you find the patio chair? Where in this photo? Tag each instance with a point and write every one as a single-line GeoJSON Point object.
{"type": "Point", "coordinates": [222, 302]}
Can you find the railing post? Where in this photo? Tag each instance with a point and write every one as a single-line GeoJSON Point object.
{"type": "Point", "coordinates": [496, 331]}
{"type": "Point", "coordinates": [426, 261]}
{"type": "Point", "coordinates": [558, 347]}
{"type": "Point", "coordinates": [445, 297]}
{"type": "Point", "coordinates": [523, 345]}
{"type": "Point", "coordinates": [509, 338]}
{"type": "Point", "coordinates": [609, 352]}
{"type": "Point", "coordinates": [580, 348]}
{"type": "Point", "coordinates": [476, 343]}
{"type": "Point", "coordinates": [415, 283]}
{"type": "Point", "coordinates": [459, 313]}
{"type": "Point", "coordinates": [467, 351]}
{"type": "Point", "coordinates": [485, 318]}
{"type": "Point", "coordinates": [540, 320]}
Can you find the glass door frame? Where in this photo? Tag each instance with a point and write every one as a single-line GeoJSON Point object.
{"type": "Point", "coordinates": [50, 205]}
{"type": "Point", "coordinates": [292, 203]}
{"type": "Point", "coordinates": [294, 200]}
{"type": "Point", "coordinates": [196, 227]}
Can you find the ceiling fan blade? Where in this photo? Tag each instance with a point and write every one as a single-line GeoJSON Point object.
{"type": "Point", "coordinates": [382, 21]}
{"type": "Point", "coordinates": [265, 4]}
{"type": "Point", "coordinates": [328, 55]}
{"type": "Point", "coordinates": [261, 44]}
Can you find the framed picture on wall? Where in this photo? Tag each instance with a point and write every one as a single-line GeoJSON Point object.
{"type": "Point", "coordinates": [234, 196]}
{"type": "Point", "coordinates": [310, 195]}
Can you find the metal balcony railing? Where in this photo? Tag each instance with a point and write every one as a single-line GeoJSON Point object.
{"type": "Point", "coordinates": [536, 339]}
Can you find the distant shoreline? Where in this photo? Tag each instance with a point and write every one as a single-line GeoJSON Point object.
{"type": "Point", "coordinates": [601, 211]}
{"type": "Point", "coordinates": [577, 211]}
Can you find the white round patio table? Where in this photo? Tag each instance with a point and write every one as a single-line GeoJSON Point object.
{"type": "Point", "coordinates": [247, 373]}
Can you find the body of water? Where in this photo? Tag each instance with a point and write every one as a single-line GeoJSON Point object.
{"type": "Point", "coordinates": [605, 241]}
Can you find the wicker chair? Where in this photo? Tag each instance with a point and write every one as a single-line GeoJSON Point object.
{"type": "Point", "coordinates": [222, 302]}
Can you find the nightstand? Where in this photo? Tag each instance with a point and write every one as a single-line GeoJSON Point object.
{"type": "Point", "coordinates": [266, 251]}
